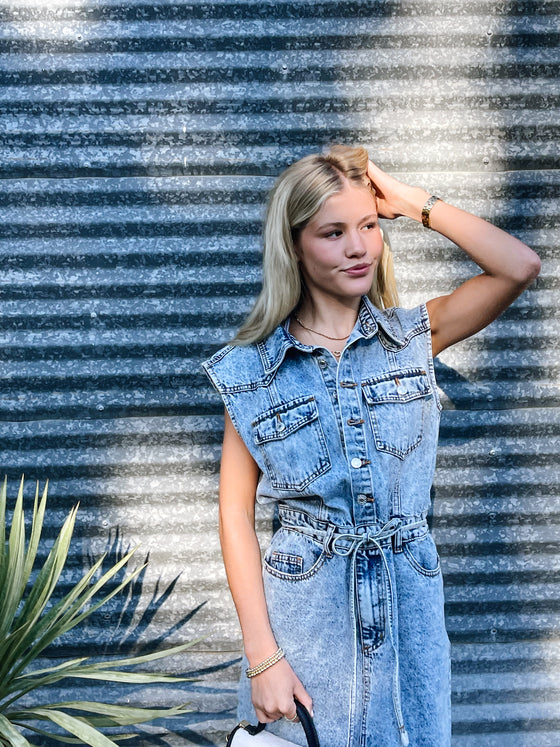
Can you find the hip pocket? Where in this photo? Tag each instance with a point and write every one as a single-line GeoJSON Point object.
{"type": "Point", "coordinates": [395, 404]}
{"type": "Point", "coordinates": [423, 556]}
{"type": "Point", "coordinates": [292, 443]}
{"type": "Point", "coordinates": [293, 556]}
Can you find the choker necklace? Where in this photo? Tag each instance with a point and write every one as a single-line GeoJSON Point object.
{"type": "Point", "coordinates": [321, 334]}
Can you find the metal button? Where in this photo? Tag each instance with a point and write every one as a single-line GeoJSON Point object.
{"type": "Point", "coordinates": [323, 363]}
{"type": "Point", "coordinates": [356, 463]}
{"type": "Point", "coordinates": [362, 499]}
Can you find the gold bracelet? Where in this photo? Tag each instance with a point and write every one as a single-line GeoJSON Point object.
{"type": "Point", "coordinates": [426, 210]}
{"type": "Point", "coordinates": [276, 656]}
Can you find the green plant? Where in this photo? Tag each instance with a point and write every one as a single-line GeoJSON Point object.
{"type": "Point", "coordinates": [30, 620]}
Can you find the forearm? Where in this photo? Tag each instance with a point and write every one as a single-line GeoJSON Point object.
{"type": "Point", "coordinates": [242, 560]}
{"type": "Point", "coordinates": [496, 252]}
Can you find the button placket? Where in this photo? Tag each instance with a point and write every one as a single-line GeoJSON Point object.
{"type": "Point", "coordinates": [330, 383]}
{"type": "Point", "coordinates": [350, 405]}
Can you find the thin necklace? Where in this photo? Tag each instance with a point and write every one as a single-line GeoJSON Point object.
{"type": "Point", "coordinates": [321, 334]}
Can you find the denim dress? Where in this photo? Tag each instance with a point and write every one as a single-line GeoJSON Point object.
{"type": "Point", "coordinates": [352, 577]}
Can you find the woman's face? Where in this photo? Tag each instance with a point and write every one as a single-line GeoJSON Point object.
{"type": "Point", "coordinates": [340, 247]}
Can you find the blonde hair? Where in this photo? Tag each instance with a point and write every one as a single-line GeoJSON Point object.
{"type": "Point", "coordinates": [298, 194]}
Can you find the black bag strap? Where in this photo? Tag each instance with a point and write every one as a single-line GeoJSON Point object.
{"type": "Point", "coordinates": [308, 725]}
{"type": "Point", "coordinates": [305, 720]}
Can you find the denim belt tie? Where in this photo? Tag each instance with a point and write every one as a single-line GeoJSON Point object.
{"type": "Point", "coordinates": [332, 538]}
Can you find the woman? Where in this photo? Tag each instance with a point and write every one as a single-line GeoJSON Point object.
{"type": "Point", "coordinates": [332, 412]}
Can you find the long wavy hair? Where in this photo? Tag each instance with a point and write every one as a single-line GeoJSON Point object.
{"type": "Point", "coordinates": [298, 194]}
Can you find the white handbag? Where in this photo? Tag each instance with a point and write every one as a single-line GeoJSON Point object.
{"type": "Point", "coordinates": [246, 735]}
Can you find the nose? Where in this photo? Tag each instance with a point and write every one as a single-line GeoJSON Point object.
{"type": "Point", "coordinates": [355, 245]}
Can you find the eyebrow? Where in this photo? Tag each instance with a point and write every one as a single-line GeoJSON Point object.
{"type": "Point", "coordinates": [370, 216]}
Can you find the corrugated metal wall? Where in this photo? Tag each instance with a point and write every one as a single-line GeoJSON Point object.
{"type": "Point", "coordinates": [137, 144]}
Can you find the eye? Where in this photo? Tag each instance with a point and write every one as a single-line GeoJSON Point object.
{"type": "Point", "coordinates": [370, 226]}
{"type": "Point", "coordinates": [334, 234]}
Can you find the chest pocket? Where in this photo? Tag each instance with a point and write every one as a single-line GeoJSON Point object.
{"type": "Point", "coordinates": [292, 444]}
{"type": "Point", "coordinates": [395, 403]}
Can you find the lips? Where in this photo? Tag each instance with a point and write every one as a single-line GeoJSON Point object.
{"type": "Point", "coordinates": [358, 270]}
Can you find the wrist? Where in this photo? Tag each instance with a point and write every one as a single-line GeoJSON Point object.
{"type": "Point", "coordinates": [412, 201]}
{"type": "Point", "coordinates": [262, 666]}
{"type": "Point", "coordinates": [258, 652]}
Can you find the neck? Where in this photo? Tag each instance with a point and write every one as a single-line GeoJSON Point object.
{"type": "Point", "coordinates": [333, 317]}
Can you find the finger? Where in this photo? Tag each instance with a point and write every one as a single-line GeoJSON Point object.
{"type": "Point", "coordinates": [373, 171]}
{"type": "Point", "coordinates": [265, 717]}
{"type": "Point", "coordinates": [293, 717]}
{"type": "Point", "coordinates": [304, 698]}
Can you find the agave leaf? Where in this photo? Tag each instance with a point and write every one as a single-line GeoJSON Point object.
{"type": "Point", "coordinates": [49, 574]}
{"type": "Point", "coordinates": [26, 683]}
{"type": "Point", "coordinates": [3, 560]}
{"type": "Point", "coordinates": [73, 740]}
{"type": "Point", "coordinates": [11, 591]}
{"type": "Point", "coordinates": [35, 627]}
{"type": "Point", "coordinates": [98, 671]}
{"type": "Point", "coordinates": [36, 634]}
{"type": "Point", "coordinates": [24, 637]}
{"type": "Point", "coordinates": [58, 667]}
{"type": "Point", "coordinates": [10, 733]}
{"type": "Point", "coordinates": [117, 714]}
{"type": "Point", "coordinates": [131, 678]}
{"type": "Point", "coordinates": [36, 529]}
{"type": "Point", "coordinates": [41, 592]}
{"type": "Point", "coordinates": [70, 619]}
{"type": "Point", "coordinates": [76, 726]}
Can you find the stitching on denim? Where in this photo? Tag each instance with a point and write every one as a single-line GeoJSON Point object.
{"type": "Point", "coordinates": [415, 565]}
{"type": "Point", "coordinates": [296, 576]}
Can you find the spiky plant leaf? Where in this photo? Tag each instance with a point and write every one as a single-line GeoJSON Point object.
{"type": "Point", "coordinates": [108, 713]}
{"type": "Point", "coordinates": [72, 740]}
{"type": "Point", "coordinates": [11, 589]}
{"type": "Point", "coordinates": [10, 735]}
{"type": "Point", "coordinates": [30, 622]}
{"type": "Point", "coordinates": [77, 726]}
{"type": "Point", "coordinates": [3, 559]}
{"type": "Point", "coordinates": [36, 529]}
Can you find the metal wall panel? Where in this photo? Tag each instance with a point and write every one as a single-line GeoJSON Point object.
{"type": "Point", "coordinates": [138, 142]}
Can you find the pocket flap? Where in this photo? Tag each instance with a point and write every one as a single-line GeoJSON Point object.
{"type": "Point", "coordinates": [396, 386]}
{"type": "Point", "coordinates": [282, 420]}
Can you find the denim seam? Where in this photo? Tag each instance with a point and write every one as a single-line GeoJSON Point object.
{"type": "Point", "coordinates": [415, 565]}
{"type": "Point", "coordinates": [317, 565]}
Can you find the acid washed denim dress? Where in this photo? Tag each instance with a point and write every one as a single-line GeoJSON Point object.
{"type": "Point", "coordinates": [352, 577]}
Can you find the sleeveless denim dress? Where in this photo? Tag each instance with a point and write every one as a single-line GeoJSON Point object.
{"type": "Point", "coordinates": [352, 576]}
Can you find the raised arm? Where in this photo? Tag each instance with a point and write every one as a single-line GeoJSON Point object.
{"type": "Point", "coordinates": [273, 690]}
{"type": "Point", "coordinates": [508, 265]}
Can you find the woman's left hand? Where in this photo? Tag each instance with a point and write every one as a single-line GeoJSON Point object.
{"type": "Point", "coordinates": [395, 198]}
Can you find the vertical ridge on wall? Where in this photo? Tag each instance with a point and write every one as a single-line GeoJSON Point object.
{"type": "Point", "coordinates": [138, 143]}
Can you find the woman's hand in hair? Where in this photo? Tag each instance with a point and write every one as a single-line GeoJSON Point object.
{"type": "Point", "coordinates": [395, 198]}
{"type": "Point", "coordinates": [273, 693]}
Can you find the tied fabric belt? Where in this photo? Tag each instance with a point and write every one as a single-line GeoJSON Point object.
{"type": "Point", "coordinates": [339, 541]}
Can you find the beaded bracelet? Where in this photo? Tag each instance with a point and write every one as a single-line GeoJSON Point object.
{"type": "Point", "coordinates": [276, 656]}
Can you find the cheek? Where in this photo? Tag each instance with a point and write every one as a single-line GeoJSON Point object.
{"type": "Point", "coordinates": [315, 260]}
{"type": "Point", "coordinates": [377, 246]}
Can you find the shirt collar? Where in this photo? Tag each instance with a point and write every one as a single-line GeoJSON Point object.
{"type": "Point", "coordinates": [273, 348]}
